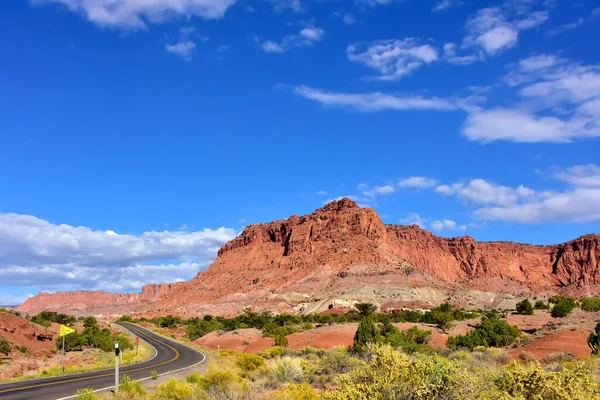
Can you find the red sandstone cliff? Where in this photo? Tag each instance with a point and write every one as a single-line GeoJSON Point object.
{"type": "Point", "coordinates": [340, 249]}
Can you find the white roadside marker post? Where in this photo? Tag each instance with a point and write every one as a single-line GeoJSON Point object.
{"type": "Point", "coordinates": [117, 367]}
{"type": "Point", "coordinates": [63, 360]}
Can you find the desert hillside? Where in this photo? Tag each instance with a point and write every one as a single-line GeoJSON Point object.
{"type": "Point", "coordinates": [343, 253]}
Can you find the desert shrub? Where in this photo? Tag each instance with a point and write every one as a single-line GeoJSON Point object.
{"type": "Point", "coordinates": [406, 316]}
{"type": "Point", "coordinates": [524, 307]}
{"type": "Point", "coordinates": [559, 358]}
{"type": "Point", "coordinates": [393, 375]}
{"type": "Point", "coordinates": [87, 394]}
{"type": "Point", "coordinates": [441, 316]}
{"type": "Point", "coordinates": [196, 377]}
{"type": "Point", "coordinates": [413, 340]}
{"type": "Point", "coordinates": [572, 382]}
{"type": "Point", "coordinates": [307, 326]}
{"type": "Point", "coordinates": [308, 350]}
{"type": "Point", "coordinates": [562, 308]}
{"type": "Point", "coordinates": [590, 304]}
{"type": "Point", "coordinates": [196, 328]}
{"type": "Point", "coordinates": [594, 340]}
{"type": "Point", "coordinates": [154, 375]}
{"type": "Point", "coordinates": [272, 352]}
{"type": "Point", "coordinates": [562, 298]}
{"type": "Point", "coordinates": [125, 318]}
{"type": "Point", "coordinates": [302, 391]}
{"type": "Point", "coordinates": [223, 384]}
{"type": "Point", "coordinates": [46, 318]}
{"type": "Point", "coordinates": [337, 361]}
{"type": "Point", "coordinates": [249, 362]}
{"type": "Point", "coordinates": [540, 305]}
{"type": "Point", "coordinates": [173, 389]}
{"type": "Point", "coordinates": [367, 332]}
{"type": "Point", "coordinates": [4, 346]}
{"type": "Point", "coordinates": [526, 356]}
{"type": "Point", "coordinates": [281, 340]}
{"type": "Point", "coordinates": [287, 370]}
{"type": "Point", "coordinates": [492, 332]}
{"type": "Point", "coordinates": [129, 389]}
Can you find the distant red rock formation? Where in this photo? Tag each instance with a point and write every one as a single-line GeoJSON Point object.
{"type": "Point", "coordinates": [296, 264]}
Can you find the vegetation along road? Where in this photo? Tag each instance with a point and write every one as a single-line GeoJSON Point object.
{"type": "Point", "coordinates": [170, 356]}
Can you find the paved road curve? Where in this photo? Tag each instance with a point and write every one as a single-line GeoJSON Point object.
{"type": "Point", "coordinates": [170, 356]}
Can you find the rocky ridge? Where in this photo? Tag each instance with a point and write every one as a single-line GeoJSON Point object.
{"type": "Point", "coordinates": [343, 253]}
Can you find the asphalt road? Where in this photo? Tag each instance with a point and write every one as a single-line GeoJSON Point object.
{"type": "Point", "coordinates": [170, 356]}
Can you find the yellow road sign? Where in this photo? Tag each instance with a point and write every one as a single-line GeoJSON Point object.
{"type": "Point", "coordinates": [65, 330]}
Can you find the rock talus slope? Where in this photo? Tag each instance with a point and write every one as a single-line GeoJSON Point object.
{"type": "Point", "coordinates": [343, 253]}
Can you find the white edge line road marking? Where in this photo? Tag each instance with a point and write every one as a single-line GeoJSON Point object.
{"type": "Point", "coordinates": [133, 334]}
{"type": "Point", "coordinates": [99, 370]}
{"type": "Point", "coordinates": [145, 379]}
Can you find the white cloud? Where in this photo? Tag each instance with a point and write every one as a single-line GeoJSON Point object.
{"type": "Point", "coordinates": [271, 47]}
{"type": "Point", "coordinates": [417, 182]}
{"type": "Point", "coordinates": [491, 30]}
{"type": "Point", "coordinates": [445, 4]}
{"type": "Point", "coordinates": [34, 252]}
{"type": "Point", "coordinates": [322, 193]}
{"type": "Point", "coordinates": [374, 101]}
{"type": "Point", "coordinates": [183, 49]}
{"type": "Point", "coordinates": [579, 205]}
{"type": "Point", "coordinates": [242, 221]}
{"type": "Point", "coordinates": [483, 192]}
{"type": "Point", "coordinates": [444, 190]}
{"type": "Point", "coordinates": [581, 175]}
{"type": "Point", "coordinates": [282, 5]}
{"type": "Point", "coordinates": [305, 38]}
{"type": "Point", "coordinates": [443, 224]}
{"type": "Point", "coordinates": [393, 59]}
{"type": "Point", "coordinates": [575, 24]}
{"type": "Point", "coordinates": [376, 190]}
{"type": "Point", "coordinates": [414, 219]}
{"type": "Point", "coordinates": [138, 13]}
{"type": "Point", "coordinates": [312, 34]}
{"type": "Point", "coordinates": [7, 299]}
{"type": "Point", "coordinates": [451, 56]}
{"type": "Point", "coordinates": [349, 19]}
{"type": "Point", "coordinates": [545, 84]}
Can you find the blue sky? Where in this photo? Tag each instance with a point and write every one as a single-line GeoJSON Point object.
{"type": "Point", "coordinates": [138, 136]}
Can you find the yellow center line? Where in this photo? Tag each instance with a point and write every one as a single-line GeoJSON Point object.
{"type": "Point", "coordinates": [134, 328]}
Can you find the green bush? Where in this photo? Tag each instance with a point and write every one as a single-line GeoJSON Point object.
{"type": "Point", "coordinates": [46, 318]}
{"type": "Point", "coordinates": [4, 346]}
{"type": "Point", "coordinates": [490, 332]}
{"type": "Point", "coordinates": [562, 298]}
{"type": "Point", "coordinates": [86, 394]}
{"type": "Point", "coordinates": [590, 304]}
{"type": "Point", "coordinates": [540, 305]}
{"type": "Point", "coordinates": [524, 307]}
{"type": "Point", "coordinates": [561, 309]}
{"type": "Point", "coordinates": [367, 332]}
{"type": "Point", "coordinates": [129, 389]}
{"type": "Point", "coordinates": [154, 375]}
{"type": "Point", "coordinates": [594, 340]}
{"type": "Point", "coordinates": [281, 340]}
{"type": "Point", "coordinates": [249, 362]}
{"type": "Point", "coordinates": [173, 389]}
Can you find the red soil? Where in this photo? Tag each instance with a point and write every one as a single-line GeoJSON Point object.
{"type": "Point", "coordinates": [570, 341]}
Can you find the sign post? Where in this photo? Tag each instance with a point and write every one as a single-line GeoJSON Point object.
{"type": "Point", "coordinates": [117, 351]}
{"type": "Point", "coordinates": [64, 331]}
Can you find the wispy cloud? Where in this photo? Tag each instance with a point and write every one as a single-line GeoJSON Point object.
{"type": "Point", "coordinates": [305, 38]}
{"type": "Point", "coordinates": [374, 101]}
{"type": "Point", "coordinates": [136, 14]}
{"type": "Point", "coordinates": [393, 59]}
{"type": "Point", "coordinates": [184, 49]}
{"type": "Point", "coordinates": [446, 4]}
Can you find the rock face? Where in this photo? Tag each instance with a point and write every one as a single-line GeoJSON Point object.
{"type": "Point", "coordinates": [343, 253]}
